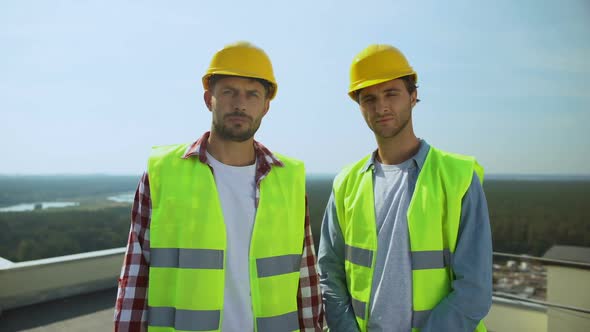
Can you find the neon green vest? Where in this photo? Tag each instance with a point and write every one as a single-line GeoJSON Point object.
{"type": "Point", "coordinates": [188, 244]}
{"type": "Point", "coordinates": [433, 223]}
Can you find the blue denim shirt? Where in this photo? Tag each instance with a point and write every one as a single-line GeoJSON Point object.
{"type": "Point", "coordinates": [471, 297]}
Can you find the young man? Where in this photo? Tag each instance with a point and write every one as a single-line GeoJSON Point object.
{"type": "Point", "coordinates": [220, 237]}
{"type": "Point", "coordinates": [406, 242]}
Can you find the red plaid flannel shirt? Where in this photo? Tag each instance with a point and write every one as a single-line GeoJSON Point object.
{"type": "Point", "coordinates": [131, 305]}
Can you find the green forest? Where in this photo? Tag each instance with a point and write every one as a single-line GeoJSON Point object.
{"type": "Point", "coordinates": [34, 235]}
{"type": "Point", "coordinates": [527, 217]}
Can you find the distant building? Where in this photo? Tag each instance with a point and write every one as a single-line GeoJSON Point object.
{"type": "Point", "coordinates": [568, 284]}
{"type": "Point", "coordinates": [511, 264]}
{"type": "Point", "coordinates": [524, 278]}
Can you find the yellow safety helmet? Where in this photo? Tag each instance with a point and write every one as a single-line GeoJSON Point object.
{"type": "Point", "coordinates": [377, 64]}
{"type": "Point", "coordinates": [242, 59]}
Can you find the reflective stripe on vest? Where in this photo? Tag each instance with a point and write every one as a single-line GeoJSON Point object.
{"type": "Point", "coordinates": [358, 256]}
{"type": "Point", "coordinates": [359, 307]}
{"type": "Point", "coordinates": [286, 322]}
{"type": "Point", "coordinates": [431, 259]}
{"type": "Point", "coordinates": [443, 179]}
{"type": "Point", "coordinates": [272, 266]}
{"type": "Point", "coordinates": [208, 320]}
{"type": "Point", "coordinates": [186, 258]}
{"type": "Point", "coordinates": [188, 243]}
{"type": "Point", "coordinates": [186, 320]}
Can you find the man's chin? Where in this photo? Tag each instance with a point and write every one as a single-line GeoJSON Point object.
{"type": "Point", "coordinates": [235, 133]}
{"type": "Point", "coordinates": [240, 139]}
{"type": "Point", "coordinates": [237, 136]}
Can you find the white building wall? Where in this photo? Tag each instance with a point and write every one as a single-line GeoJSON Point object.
{"type": "Point", "coordinates": [568, 286]}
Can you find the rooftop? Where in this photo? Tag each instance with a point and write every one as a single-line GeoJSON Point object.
{"type": "Point", "coordinates": [92, 312]}
{"type": "Point", "coordinates": [569, 253]}
{"type": "Point", "coordinates": [77, 293]}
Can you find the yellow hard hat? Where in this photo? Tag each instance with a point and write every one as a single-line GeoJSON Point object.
{"type": "Point", "coordinates": [377, 64]}
{"type": "Point", "coordinates": [242, 59]}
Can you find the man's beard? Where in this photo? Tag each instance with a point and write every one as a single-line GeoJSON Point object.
{"type": "Point", "coordinates": [237, 132]}
{"type": "Point", "coordinates": [392, 132]}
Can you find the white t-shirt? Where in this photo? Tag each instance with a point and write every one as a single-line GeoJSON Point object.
{"type": "Point", "coordinates": [237, 194]}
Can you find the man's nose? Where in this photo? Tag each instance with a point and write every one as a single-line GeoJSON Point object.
{"type": "Point", "coordinates": [239, 101]}
{"type": "Point", "coordinates": [381, 107]}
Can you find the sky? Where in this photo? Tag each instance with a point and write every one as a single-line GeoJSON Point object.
{"type": "Point", "coordinates": [90, 86]}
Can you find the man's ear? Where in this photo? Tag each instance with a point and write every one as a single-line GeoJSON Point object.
{"type": "Point", "coordinates": [414, 97]}
{"type": "Point", "coordinates": [266, 106]}
{"type": "Point", "coordinates": [207, 96]}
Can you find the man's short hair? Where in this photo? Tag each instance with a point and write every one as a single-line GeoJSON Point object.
{"type": "Point", "coordinates": [213, 79]}
{"type": "Point", "coordinates": [409, 82]}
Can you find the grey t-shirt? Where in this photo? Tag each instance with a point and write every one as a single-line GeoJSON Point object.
{"type": "Point", "coordinates": [391, 294]}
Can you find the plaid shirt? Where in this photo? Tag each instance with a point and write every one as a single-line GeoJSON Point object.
{"type": "Point", "coordinates": [131, 305]}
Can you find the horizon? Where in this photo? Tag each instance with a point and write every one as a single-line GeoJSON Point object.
{"type": "Point", "coordinates": [491, 176]}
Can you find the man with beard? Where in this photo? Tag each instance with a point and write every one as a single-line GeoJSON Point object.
{"type": "Point", "coordinates": [406, 242]}
{"type": "Point", "coordinates": [220, 228]}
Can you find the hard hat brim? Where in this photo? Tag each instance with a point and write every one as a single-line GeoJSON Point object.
{"type": "Point", "coordinates": [205, 80]}
{"type": "Point", "coordinates": [352, 93]}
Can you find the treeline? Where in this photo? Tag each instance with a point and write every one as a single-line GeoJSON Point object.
{"type": "Point", "coordinates": [527, 217]}
{"type": "Point", "coordinates": [35, 235]}
{"type": "Point", "coordinates": [36, 188]}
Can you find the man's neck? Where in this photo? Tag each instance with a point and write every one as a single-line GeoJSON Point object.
{"type": "Point", "coordinates": [230, 152]}
{"type": "Point", "coordinates": [396, 150]}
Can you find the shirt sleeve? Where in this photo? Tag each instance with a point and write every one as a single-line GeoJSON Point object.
{"type": "Point", "coordinates": [471, 298]}
{"type": "Point", "coordinates": [338, 306]}
{"type": "Point", "coordinates": [309, 300]}
{"type": "Point", "coordinates": [131, 305]}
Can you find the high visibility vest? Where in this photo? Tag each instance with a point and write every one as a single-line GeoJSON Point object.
{"type": "Point", "coordinates": [433, 223]}
{"type": "Point", "coordinates": [188, 246]}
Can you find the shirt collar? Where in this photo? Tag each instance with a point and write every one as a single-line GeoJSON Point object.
{"type": "Point", "coordinates": [419, 158]}
{"type": "Point", "coordinates": [264, 157]}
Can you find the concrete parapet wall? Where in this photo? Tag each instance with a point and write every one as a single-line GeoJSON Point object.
{"type": "Point", "coordinates": [42, 280]}
{"type": "Point", "coordinates": [510, 315]}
